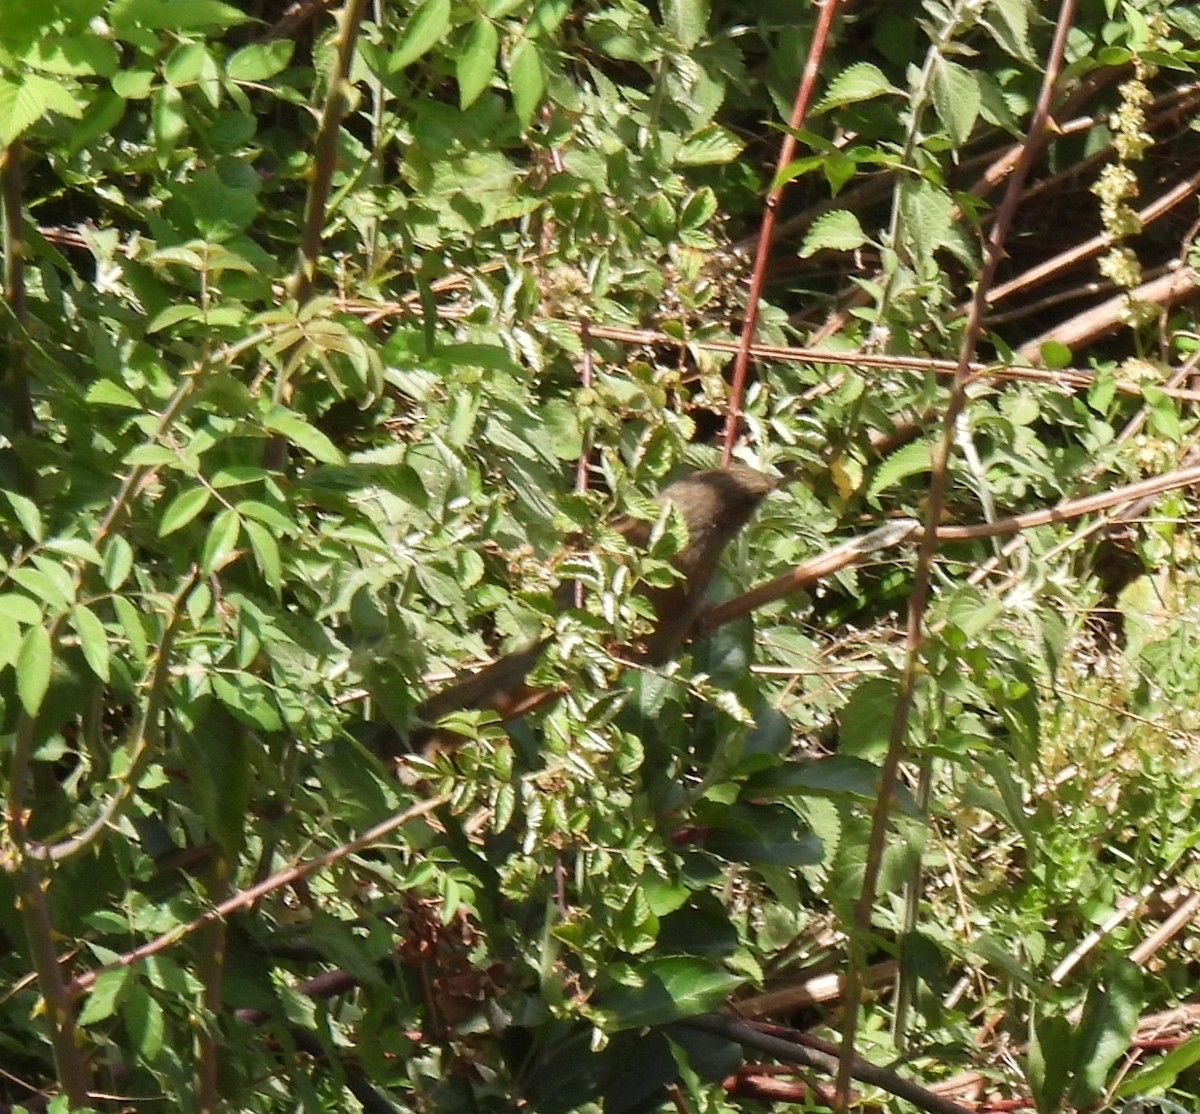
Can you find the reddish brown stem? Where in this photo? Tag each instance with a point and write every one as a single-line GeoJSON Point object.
{"type": "Point", "coordinates": [826, 10]}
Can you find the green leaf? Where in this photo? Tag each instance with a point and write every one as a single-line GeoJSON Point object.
{"type": "Point", "coordinates": [27, 514]}
{"type": "Point", "coordinates": [859, 82]}
{"type": "Point", "coordinates": [303, 435]}
{"type": "Point", "coordinates": [20, 608]}
{"type": "Point", "coordinates": [686, 20]}
{"type": "Point", "coordinates": [25, 101]}
{"type": "Point", "coordinates": [169, 119]}
{"type": "Point", "coordinates": [957, 99]}
{"type": "Point", "coordinates": [217, 757]}
{"type": "Point", "coordinates": [104, 392]}
{"type": "Point", "coordinates": [74, 56]}
{"type": "Point", "coordinates": [222, 537]}
{"type": "Point", "coordinates": [804, 849]}
{"type": "Point", "coordinates": [711, 146]}
{"type": "Point", "coordinates": [1011, 30]}
{"type": "Point", "coordinates": [476, 63]}
{"type": "Point", "coordinates": [106, 991]}
{"type": "Point", "coordinates": [266, 553]}
{"type": "Point", "coordinates": [267, 514]}
{"type": "Point", "coordinates": [46, 587]}
{"type": "Point", "coordinates": [249, 700]}
{"type": "Point", "coordinates": [185, 63]}
{"type": "Point", "coordinates": [526, 80]}
{"type": "Point", "coordinates": [173, 315]}
{"type": "Point", "coordinates": [546, 18]}
{"type": "Point", "coordinates": [182, 509]}
{"type": "Point", "coordinates": [93, 639]}
{"type": "Point", "coordinates": [426, 27]}
{"type": "Point", "coordinates": [1110, 1016]}
{"type": "Point", "coordinates": [866, 719]}
{"type": "Point", "coordinates": [1164, 412]}
{"type": "Point", "coordinates": [1054, 354]}
{"type": "Point", "coordinates": [132, 16]}
{"type": "Point", "coordinates": [838, 230]}
{"type": "Point", "coordinates": [1049, 1062]}
{"type": "Point", "coordinates": [144, 1022]}
{"type": "Point", "coordinates": [910, 460]}
{"type": "Point", "coordinates": [259, 61]}
{"type": "Point", "coordinates": [34, 660]}
{"type": "Point", "coordinates": [117, 561]}
{"type": "Point", "coordinates": [1163, 1072]}
{"type": "Point", "coordinates": [668, 989]}
{"type": "Point", "coordinates": [131, 623]}
{"type": "Point", "coordinates": [928, 218]}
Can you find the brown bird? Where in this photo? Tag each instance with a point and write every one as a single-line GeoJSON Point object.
{"type": "Point", "coordinates": [714, 504]}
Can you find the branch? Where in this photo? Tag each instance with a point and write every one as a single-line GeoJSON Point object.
{"type": "Point", "coordinates": [267, 885]}
{"type": "Point", "coordinates": [749, 1035]}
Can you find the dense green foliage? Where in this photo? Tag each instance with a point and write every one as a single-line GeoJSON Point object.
{"type": "Point", "coordinates": [309, 319]}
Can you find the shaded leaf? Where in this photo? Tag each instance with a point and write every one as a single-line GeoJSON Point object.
{"type": "Point", "coordinates": [426, 27]}
{"type": "Point", "coordinates": [33, 668]}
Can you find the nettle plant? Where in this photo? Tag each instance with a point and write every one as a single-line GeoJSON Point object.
{"type": "Point", "coordinates": [315, 324]}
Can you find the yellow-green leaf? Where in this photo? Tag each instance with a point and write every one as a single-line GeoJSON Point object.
{"type": "Point", "coordinates": [33, 668]}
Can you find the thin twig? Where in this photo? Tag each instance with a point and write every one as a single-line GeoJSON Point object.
{"type": "Point", "coordinates": [751, 1036]}
{"type": "Point", "coordinates": [938, 486]}
{"type": "Point", "coordinates": [249, 896]}
{"type": "Point", "coordinates": [826, 9]}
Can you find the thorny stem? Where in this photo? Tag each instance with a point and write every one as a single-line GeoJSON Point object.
{"type": "Point", "coordinates": [919, 596]}
{"type": "Point", "coordinates": [826, 10]}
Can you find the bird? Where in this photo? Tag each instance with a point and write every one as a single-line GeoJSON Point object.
{"type": "Point", "coordinates": [715, 504]}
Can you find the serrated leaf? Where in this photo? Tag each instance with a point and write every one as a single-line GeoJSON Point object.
{"type": "Point", "coordinates": [1011, 31]}
{"type": "Point", "coordinates": [27, 514]}
{"type": "Point", "coordinates": [927, 212]}
{"type": "Point", "coordinates": [144, 1022]}
{"type": "Point", "coordinates": [711, 146]}
{"type": "Point", "coordinates": [93, 640]}
{"type": "Point", "coordinates": [670, 988]}
{"type": "Point", "coordinates": [866, 719]}
{"type": "Point", "coordinates": [20, 108]}
{"type": "Point", "coordinates": [172, 315]}
{"type": "Point", "coordinates": [526, 80]}
{"type": "Point", "coordinates": [221, 540]}
{"type": "Point", "coordinates": [102, 1001]}
{"type": "Point", "coordinates": [1164, 412]}
{"type": "Point", "coordinates": [182, 509]}
{"type": "Point", "coordinates": [838, 230]}
{"type": "Point", "coordinates": [34, 659]}
{"type": "Point", "coordinates": [104, 392]}
{"type": "Point", "coordinates": [860, 82]}
{"type": "Point", "coordinates": [957, 99]}
{"type": "Point", "coordinates": [426, 27]}
{"type": "Point", "coordinates": [686, 20]}
{"type": "Point", "coordinates": [909, 460]}
{"type": "Point", "coordinates": [476, 63]}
